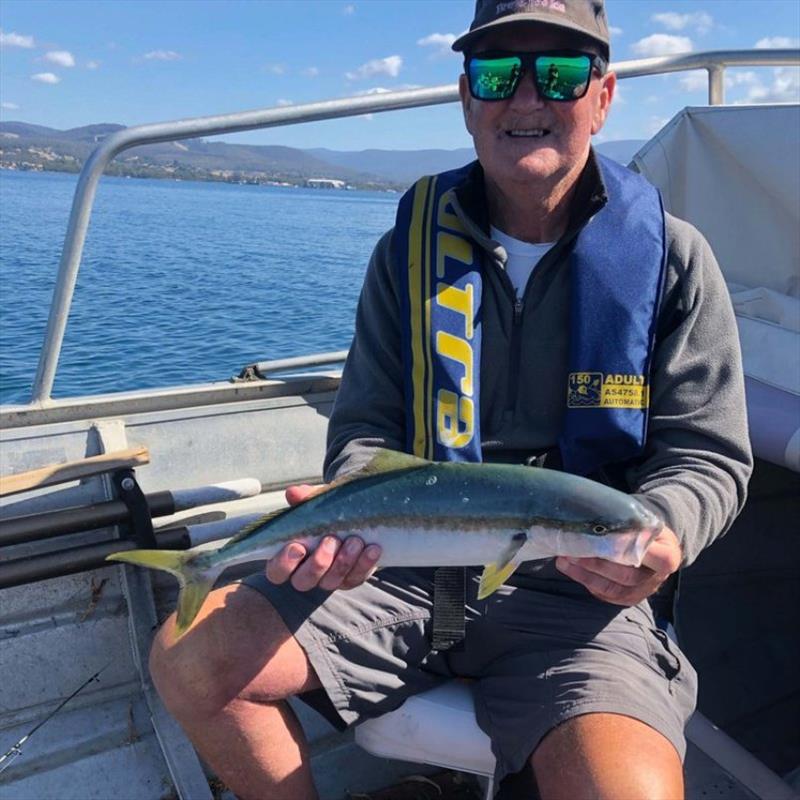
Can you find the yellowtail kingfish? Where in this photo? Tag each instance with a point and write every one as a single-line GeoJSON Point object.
{"type": "Point", "coordinates": [425, 513]}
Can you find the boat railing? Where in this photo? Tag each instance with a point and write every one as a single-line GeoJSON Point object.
{"type": "Point", "coordinates": [714, 62]}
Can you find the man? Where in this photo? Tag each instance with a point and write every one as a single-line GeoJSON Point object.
{"type": "Point", "coordinates": [571, 285]}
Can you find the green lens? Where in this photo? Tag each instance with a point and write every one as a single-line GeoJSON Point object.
{"type": "Point", "coordinates": [494, 78]}
{"type": "Point", "coordinates": [563, 77]}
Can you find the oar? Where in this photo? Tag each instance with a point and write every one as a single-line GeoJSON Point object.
{"type": "Point", "coordinates": [73, 470]}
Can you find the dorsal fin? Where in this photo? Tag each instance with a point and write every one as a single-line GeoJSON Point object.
{"type": "Point", "coordinates": [256, 524]}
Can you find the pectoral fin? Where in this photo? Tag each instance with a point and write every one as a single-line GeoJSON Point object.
{"type": "Point", "coordinates": [498, 572]}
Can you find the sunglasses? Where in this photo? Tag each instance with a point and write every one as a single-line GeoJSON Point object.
{"type": "Point", "coordinates": [562, 75]}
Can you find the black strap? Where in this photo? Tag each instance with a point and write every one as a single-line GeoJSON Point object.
{"type": "Point", "coordinates": [449, 599]}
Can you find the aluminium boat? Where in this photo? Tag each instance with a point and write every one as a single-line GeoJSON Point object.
{"type": "Point", "coordinates": [77, 486]}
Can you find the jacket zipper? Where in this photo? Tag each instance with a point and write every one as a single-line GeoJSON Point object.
{"type": "Point", "coordinates": [515, 357]}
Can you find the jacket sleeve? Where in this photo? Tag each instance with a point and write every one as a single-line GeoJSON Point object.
{"type": "Point", "coordinates": [368, 411]}
{"type": "Point", "coordinates": [697, 459]}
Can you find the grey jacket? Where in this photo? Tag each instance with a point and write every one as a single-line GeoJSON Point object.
{"type": "Point", "coordinates": [697, 458]}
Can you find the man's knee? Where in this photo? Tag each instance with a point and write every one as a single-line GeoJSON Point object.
{"type": "Point", "coordinates": [607, 756]}
{"type": "Point", "coordinates": [237, 647]}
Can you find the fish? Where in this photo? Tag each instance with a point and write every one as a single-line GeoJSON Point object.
{"type": "Point", "coordinates": [427, 513]}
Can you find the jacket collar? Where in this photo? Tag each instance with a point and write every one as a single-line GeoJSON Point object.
{"type": "Point", "coordinates": [472, 209]}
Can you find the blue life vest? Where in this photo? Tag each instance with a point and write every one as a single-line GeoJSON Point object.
{"type": "Point", "coordinates": [617, 268]}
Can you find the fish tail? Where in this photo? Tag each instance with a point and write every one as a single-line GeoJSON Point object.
{"type": "Point", "coordinates": [196, 581]}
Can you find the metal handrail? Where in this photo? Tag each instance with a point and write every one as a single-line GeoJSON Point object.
{"type": "Point", "coordinates": [714, 62]}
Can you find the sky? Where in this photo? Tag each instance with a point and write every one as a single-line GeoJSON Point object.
{"type": "Point", "coordinates": [68, 63]}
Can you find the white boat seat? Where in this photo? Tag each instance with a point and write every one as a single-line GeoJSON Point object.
{"type": "Point", "coordinates": [436, 727]}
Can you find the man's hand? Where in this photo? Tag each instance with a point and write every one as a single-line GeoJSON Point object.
{"type": "Point", "coordinates": [333, 565]}
{"type": "Point", "coordinates": [626, 586]}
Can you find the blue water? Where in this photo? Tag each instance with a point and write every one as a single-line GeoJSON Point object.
{"type": "Point", "coordinates": [181, 282]}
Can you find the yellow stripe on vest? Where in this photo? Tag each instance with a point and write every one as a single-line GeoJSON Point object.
{"type": "Point", "coordinates": [416, 260]}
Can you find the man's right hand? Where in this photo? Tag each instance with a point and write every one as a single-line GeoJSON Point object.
{"type": "Point", "coordinates": [332, 565]}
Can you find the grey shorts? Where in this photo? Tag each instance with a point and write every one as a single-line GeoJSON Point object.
{"type": "Point", "coordinates": [538, 658]}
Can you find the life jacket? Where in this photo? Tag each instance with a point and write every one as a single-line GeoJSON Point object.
{"type": "Point", "coordinates": [617, 267]}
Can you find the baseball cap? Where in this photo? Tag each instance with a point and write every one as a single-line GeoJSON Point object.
{"type": "Point", "coordinates": [587, 17]}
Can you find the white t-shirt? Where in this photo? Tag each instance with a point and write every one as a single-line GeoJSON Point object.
{"type": "Point", "coordinates": [522, 258]}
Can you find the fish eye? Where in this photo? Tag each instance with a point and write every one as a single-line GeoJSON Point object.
{"type": "Point", "coordinates": [599, 529]}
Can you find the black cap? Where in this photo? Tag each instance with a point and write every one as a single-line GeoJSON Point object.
{"type": "Point", "coordinates": [587, 17]}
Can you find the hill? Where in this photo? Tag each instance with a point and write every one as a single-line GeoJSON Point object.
{"type": "Point", "coordinates": [26, 146]}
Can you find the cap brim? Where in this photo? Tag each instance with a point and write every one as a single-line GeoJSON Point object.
{"type": "Point", "coordinates": [466, 39]}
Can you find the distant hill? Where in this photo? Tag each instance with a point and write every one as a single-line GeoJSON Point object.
{"type": "Point", "coordinates": [403, 166]}
{"type": "Point", "coordinates": [25, 146]}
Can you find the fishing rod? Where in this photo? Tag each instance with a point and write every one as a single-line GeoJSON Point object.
{"type": "Point", "coordinates": [16, 749]}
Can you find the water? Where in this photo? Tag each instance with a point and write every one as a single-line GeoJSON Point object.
{"type": "Point", "coordinates": [180, 282]}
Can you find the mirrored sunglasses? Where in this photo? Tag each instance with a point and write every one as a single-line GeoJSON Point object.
{"type": "Point", "coordinates": [560, 76]}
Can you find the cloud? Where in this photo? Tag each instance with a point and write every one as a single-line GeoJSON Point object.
{"type": "Point", "coordinates": [61, 57]}
{"type": "Point", "coordinates": [697, 80]}
{"type": "Point", "coordinates": [283, 102]}
{"type": "Point", "coordinates": [384, 90]}
{"type": "Point", "coordinates": [92, 64]}
{"type": "Point", "coordinates": [349, 9]}
{"type": "Point", "coordinates": [162, 55]}
{"type": "Point", "coordinates": [378, 66]}
{"type": "Point", "coordinates": [310, 72]}
{"type": "Point", "coordinates": [614, 30]}
{"type": "Point", "coordinates": [276, 69]}
{"type": "Point", "coordinates": [15, 40]}
{"type": "Point", "coordinates": [785, 87]}
{"type": "Point", "coordinates": [46, 77]}
{"type": "Point", "coordinates": [699, 21]}
{"type": "Point", "coordinates": [441, 42]}
{"type": "Point", "coordinates": [662, 44]}
{"type": "Point", "coordinates": [9, 106]}
{"type": "Point", "coordinates": [776, 42]}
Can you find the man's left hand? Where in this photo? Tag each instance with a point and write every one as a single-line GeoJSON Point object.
{"type": "Point", "coordinates": [626, 586]}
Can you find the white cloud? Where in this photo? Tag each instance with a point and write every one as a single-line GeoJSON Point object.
{"type": "Point", "coordinates": [276, 69]}
{"type": "Point", "coordinates": [92, 64]}
{"type": "Point", "coordinates": [378, 66]}
{"type": "Point", "coordinates": [776, 42]}
{"type": "Point", "coordinates": [662, 44]}
{"type": "Point", "coordinates": [46, 77]}
{"type": "Point", "coordinates": [310, 72]}
{"type": "Point", "coordinates": [785, 87]}
{"type": "Point", "coordinates": [384, 90]}
{"type": "Point", "coordinates": [9, 106]}
{"type": "Point", "coordinates": [699, 21]}
{"type": "Point", "coordinates": [15, 40]}
{"type": "Point", "coordinates": [614, 30]}
{"type": "Point", "coordinates": [349, 9]}
{"type": "Point", "coordinates": [162, 55]}
{"type": "Point", "coordinates": [61, 57]}
{"type": "Point", "coordinates": [283, 102]}
{"type": "Point", "coordinates": [695, 81]}
{"type": "Point", "coordinates": [441, 42]}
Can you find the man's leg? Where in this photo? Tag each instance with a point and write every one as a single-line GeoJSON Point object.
{"type": "Point", "coordinates": [226, 681]}
{"type": "Point", "coordinates": [607, 757]}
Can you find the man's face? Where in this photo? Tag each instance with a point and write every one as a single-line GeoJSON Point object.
{"type": "Point", "coordinates": [508, 133]}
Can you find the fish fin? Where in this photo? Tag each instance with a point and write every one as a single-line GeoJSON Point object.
{"type": "Point", "coordinates": [257, 523]}
{"type": "Point", "coordinates": [498, 572]}
{"type": "Point", "coordinates": [384, 461]}
{"type": "Point", "coordinates": [195, 582]}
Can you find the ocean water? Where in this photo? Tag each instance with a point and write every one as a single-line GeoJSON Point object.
{"type": "Point", "coordinates": [181, 282]}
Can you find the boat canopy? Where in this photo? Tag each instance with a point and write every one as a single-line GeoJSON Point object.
{"type": "Point", "coordinates": [733, 173]}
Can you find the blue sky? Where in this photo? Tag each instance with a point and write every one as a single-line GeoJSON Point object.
{"type": "Point", "coordinates": [66, 63]}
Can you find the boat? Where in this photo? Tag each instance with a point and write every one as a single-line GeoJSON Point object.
{"type": "Point", "coordinates": [89, 475]}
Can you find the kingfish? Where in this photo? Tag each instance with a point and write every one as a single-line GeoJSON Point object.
{"type": "Point", "coordinates": [425, 513]}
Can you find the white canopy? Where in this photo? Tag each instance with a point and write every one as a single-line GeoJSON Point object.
{"type": "Point", "coordinates": [734, 173]}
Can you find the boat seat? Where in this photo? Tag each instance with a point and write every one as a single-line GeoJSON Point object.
{"type": "Point", "coordinates": [436, 727]}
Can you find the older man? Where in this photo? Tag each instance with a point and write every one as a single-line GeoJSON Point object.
{"type": "Point", "coordinates": [537, 307]}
